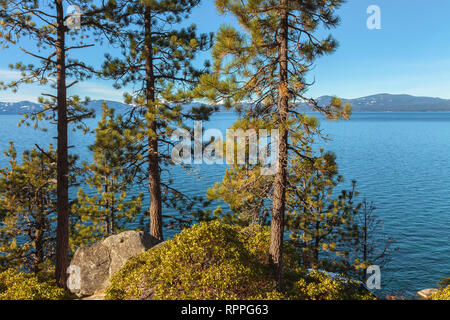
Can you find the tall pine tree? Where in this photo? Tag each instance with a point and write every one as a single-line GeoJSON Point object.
{"type": "Point", "coordinates": [157, 61]}
{"type": "Point", "coordinates": [109, 210]}
{"type": "Point", "coordinates": [50, 43]}
{"type": "Point", "coordinates": [264, 64]}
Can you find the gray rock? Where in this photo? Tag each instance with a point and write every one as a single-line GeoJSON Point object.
{"type": "Point", "coordinates": [98, 262]}
{"type": "Point", "coordinates": [426, 293]}
{"type": "Point", "coordinates": [97, 297]}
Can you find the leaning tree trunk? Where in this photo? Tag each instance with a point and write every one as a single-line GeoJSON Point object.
{"type": "Point", "coordinates": [108, 214]}
{"type": "Point", "coordinates": [39, 231]}
{"type": "Point", "coordinates": [62, 237]}
{"type": "Point", "coordinates": [279, 195]}
{"type": "Point", "coordinates": [39, 243]}
{"type": "Point", "coordinates": [154, 173]}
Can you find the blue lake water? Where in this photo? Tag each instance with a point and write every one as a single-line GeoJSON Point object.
{"type": "Point", "coordinates": [400, 160]}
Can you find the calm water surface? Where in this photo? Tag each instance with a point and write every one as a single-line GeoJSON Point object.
{"type": "Point", "coordinates": [400, 160]}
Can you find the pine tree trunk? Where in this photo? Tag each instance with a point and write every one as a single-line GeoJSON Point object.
{"type": "Point", "coordinates": [62, 237]}
{"type": "Point", "coordinates": [155, 209]}
{"type": "Point", "coordinates": [39, 240]}
{"type": "Point", "coordinates": [108, 209]}
{"type": "Point", "coordinates": [316, 254]}
{"type": "Point", "coordinates": [40, 226]}
{"type": "Point", "coordinates": [316, 245]}
{"type": "Point", "coordinates": [113, 208]}
{"type": "Point", "coordinates": [279, 195]}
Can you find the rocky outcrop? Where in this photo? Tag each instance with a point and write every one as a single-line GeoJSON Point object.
{"type": "Point", "coordinates": [92, 267]}
{"type": "Point", "coordinates": [426, 293]}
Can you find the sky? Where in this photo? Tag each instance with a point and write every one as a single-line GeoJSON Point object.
{"type": "Point", "coordinates": [410, 54]}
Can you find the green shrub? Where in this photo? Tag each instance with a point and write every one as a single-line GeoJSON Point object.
{"type": "Point", "coordinates": [215, 261]}
{"type": "Point", "coordinates": [321, 286]}
{"type": "Point", "coordinates": [444, 291]}
{"type": "Point", "coordinates": [208, 261]}
{"type": "Point", "coordinates": [24, 286]}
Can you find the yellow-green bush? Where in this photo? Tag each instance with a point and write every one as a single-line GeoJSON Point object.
{"type": "Point", "coordinates": [321, 286]}
{"type": "Point", "coordinates": [213, 261]}
{"type": "Point", "coordinates": [24, 286]}
{"type": "Point", "coordinates": [208, 261]}
{"type": "Point", "coordinates": [444, 291]}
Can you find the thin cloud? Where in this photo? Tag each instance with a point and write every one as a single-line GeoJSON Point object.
{"type": "Point", "coordinates": [98, 91]}
{"type": "Point", "coordinates": [16, 97]}
{"type": "Point", "coordinates": [9, 75]}
{"type": "Point", "coordinates": [31, 92]}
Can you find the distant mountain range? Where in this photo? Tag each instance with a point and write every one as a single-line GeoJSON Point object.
{"type": "Point", "coordinates": [22, 107]}
{"type": "Point", "coordinates": [393, 103]}
{"type": "Point", "coordinates": [375, 103]}
{"type": "Point", "coordinates": [18, 107]}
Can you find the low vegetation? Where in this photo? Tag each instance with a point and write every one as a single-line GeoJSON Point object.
{"type": "Point", "coordinates": [219, 261]}
{"type": "Point", "coordinates": [28, 286]}
{"type": "Point", "coordinates": [444, 291]}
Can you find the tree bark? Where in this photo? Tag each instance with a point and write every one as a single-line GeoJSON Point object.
{"type": "Point", "coordinates": [315, 262]}
{"type": "Point", "coordinates": [154, 178]}
{"type": "Point", "coordinates": [108, 211]}
{"type": "Point", "coordinates": [39, 240]}
{"type": "Point", "coordinates": [39, 225]}
{"type": "Point", "coordinates": [113, 208]}
{"type": "Point", "coordinates": [62, 237]}
{"type": "Point", "coordinates": [279, 195]}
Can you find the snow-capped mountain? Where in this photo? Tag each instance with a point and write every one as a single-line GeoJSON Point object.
{"type": "Point", "coordinates": [375, 103]}
{"type": "Point", "coordinates": [394, 103]}
{"type": "Point", "coordinates": [20, 107]}
{"type": "Point", "coordinates": [14, 108]}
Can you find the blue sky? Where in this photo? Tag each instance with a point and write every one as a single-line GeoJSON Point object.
{"type": "Point", "coordinates": [409, 55]}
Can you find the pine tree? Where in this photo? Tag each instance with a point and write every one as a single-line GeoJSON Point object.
{"type": "Point", "coordinates": [158, 61]}
{"type": "Point", "coordinates": [320, 222]}
{"type": "Point", "coordinates": [246, 191]}
{"type": "Point", "coordinates": [46, 25]}
{"type": "Point", "coordinates": [110, 210]}
{"type": "Point", "coordinates": [265, 65]}
{"type": "Point", "coordinates": [28, 207]}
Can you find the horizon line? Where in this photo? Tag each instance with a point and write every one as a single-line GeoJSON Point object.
{"type": "Point", "coordinates": [322, 96]}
